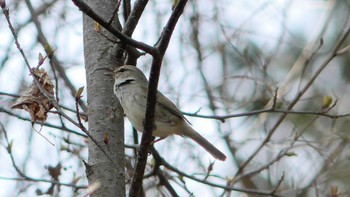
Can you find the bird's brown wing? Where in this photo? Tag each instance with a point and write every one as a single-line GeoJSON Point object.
{"type": "Point", "coordinates": [165, 103]}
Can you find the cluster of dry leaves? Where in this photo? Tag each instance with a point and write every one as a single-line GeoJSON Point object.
{"type": "Point", "coordinates": [33, 101]}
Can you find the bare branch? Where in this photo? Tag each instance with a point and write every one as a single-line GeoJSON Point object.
{"type": "Point", "coordinates": [124, 38]}
{"type": "Point", "coordinates": [147, 137]}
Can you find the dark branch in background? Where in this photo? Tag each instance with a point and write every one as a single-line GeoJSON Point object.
{"type": "Point", "coordinates": [124, 38]}
{"type": "Point", "coordinates": [126, 9]}
{"type": "Point", "coordinates": [49, 51]}
{"type": "Point", "coordinates": [163, 180]}
{"type": "Point", "coordinates": [147, 137]}
{"type": "Point", "coordinates": [129, 27]}
{"type": "Point", "coordinates": [161, 161]}
{"type": "Point", "coordinates": [134, 17]}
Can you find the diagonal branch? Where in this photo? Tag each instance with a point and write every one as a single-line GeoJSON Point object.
{"type": "Point", "coordinates": [124, 38]}
{"type": "Point", "coordinates": [147, 137]}
{"type": "Point", "coordinates": [129, 27]}
{"type": "Point", "coordinates": [134, 17]}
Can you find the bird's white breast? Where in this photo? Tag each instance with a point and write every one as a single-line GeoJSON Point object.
{"type": "Point", "coordinates": [134, 106]}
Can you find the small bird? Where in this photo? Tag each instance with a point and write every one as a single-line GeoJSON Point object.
{"type": "Point", "coordinates": [131, 87]}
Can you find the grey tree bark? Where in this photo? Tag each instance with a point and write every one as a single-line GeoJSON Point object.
{"type": "Point", "coordinates": [106, 120]}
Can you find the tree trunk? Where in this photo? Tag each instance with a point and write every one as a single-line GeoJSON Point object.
{"type": "Point", "coordinates": [106, 121]}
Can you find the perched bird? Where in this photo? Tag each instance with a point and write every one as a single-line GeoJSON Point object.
{"type": "Point", "coordinates": [131, 87]}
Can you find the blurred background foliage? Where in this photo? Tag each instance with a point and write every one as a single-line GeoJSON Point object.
{"type": "Point", "coordinates": [226, 57]}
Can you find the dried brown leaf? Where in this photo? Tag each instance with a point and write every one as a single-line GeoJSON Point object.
{"type": "Point", "coordinates": [33, 101]}
{"type": "Point", "coordinates": [55, 172]}
{"type": "Point", "coordinates": [106, 138]}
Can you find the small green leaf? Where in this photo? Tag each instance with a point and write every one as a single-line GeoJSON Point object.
{"type": "Point", "coordinates": [97, 27]}
{"type": "Point", "coordinates": [291, 154]}
{"type": "Point", "coordinates": [9, 147]}
{"type": "Point", "coordinates": [326, 101]}
{"type": "Point", "coordinates": [79, 92]}
{"type": "Point", "coordinates": [48, 50]}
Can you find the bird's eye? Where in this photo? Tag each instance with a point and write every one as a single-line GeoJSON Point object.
{"type": "Point", "coordinates": [122, 70]}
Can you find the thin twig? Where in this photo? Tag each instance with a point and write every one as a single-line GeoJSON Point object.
{"type": "Point", "coordinates": [279, 183]}
{"type": "Point", "coordinates": [222, 118]}
{"type": "Point", "coordinates": [9, 112]}
{"type": "Point", "coordinates": [31, 179]}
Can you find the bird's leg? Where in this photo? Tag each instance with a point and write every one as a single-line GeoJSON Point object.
{"type": "Point", "coordinates": [152, 143]}
{"type": "Point", "coordinates": [157, 140]}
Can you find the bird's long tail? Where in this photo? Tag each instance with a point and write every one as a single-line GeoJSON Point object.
{"type": "Point", "coordinates": [194, 135]}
